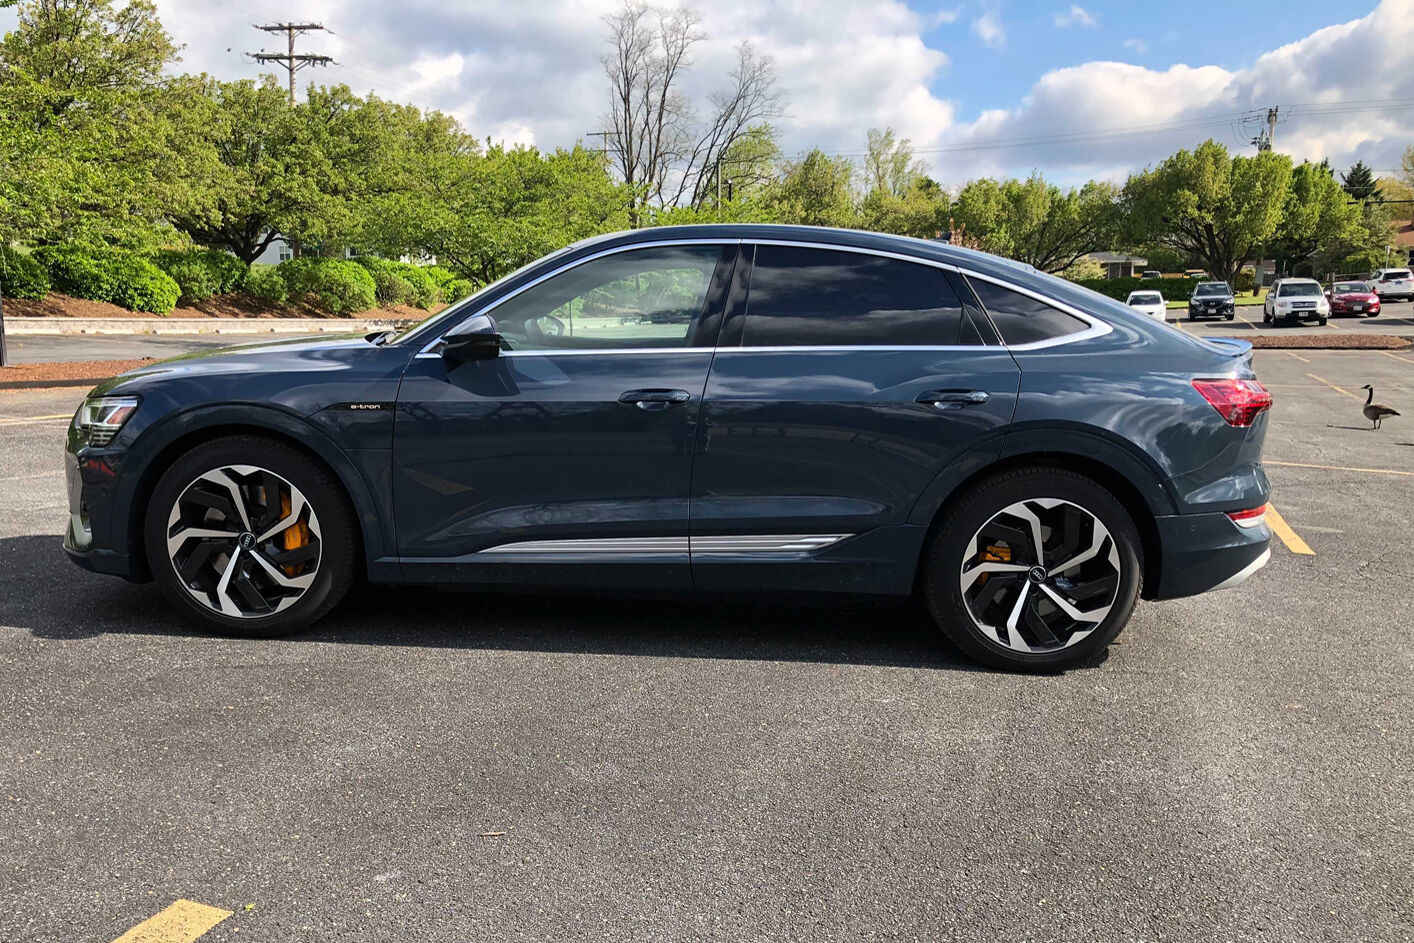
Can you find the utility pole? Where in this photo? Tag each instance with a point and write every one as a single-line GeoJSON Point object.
{"type": "Point", "coordinates": [292, 62]}
{"type": "Point", "coordinates": [1266, 137]}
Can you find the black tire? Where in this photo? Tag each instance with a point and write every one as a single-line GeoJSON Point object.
{"type": "Point", "coordinates": [1266, 318]}
{"type": "Point", "coordinates": [941, 583]}
{"type": "Point", "coordinates": [1321, 322]}
{"type": "Point", "coordinates": [339, 540]}
{"type": "Point", "coordinates": [1230, 317]}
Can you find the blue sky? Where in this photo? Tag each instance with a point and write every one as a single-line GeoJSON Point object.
{"type": "Point", "coordinates": [1230, 34]}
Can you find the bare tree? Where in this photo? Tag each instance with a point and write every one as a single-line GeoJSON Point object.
{"type": "Point", "coordinates": [652, 133]}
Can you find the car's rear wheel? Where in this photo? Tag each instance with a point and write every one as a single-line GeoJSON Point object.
{"type": "Point", "coordinates": [1034, 569]}
{"type": "Point", "coordinates": [250, 536]}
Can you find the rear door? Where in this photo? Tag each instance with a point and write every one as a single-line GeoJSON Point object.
{"type": "Point", "coordinates": [843, 384]}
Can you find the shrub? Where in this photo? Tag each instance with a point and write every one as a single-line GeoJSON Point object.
{"type": "Point", "coordinates": [426, 291]}
{"type": "Point", "coordinates": [202, 272]}
{"type": "Point", "coordinates": [334, 286]}
{"type": "Point", "coordinates": [390, 288]}
{"type": "Point", "coordinates": [457, 289]}
{"type": "Point", "coordinates": [263, 282]}
{"type": "Point", "coordinates": [1244, 281]}
{"type": "Point", "coordinates": [79, 271]}
{"type": "Point", "coordinates": [142, 286]}
{"type": "Point", "coordinates": [21, 275]}
{"type": "Point", "coordinates": [443, 277]}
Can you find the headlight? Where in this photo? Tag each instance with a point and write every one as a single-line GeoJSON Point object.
{"type": "Point", "coordinates": [99, 418]}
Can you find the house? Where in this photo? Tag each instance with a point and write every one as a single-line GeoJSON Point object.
{"type": "Point", "coordinates": [1119, 265]}
{"type": "Point", "coordinates": [1403, 252]}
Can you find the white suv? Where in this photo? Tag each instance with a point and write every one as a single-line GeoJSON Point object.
{"type": "Point", "coordinates": [1392, 283]}
{"type": "Point", "coordinates": [1295, 299]}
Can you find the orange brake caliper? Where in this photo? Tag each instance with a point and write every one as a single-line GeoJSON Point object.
{"type": "Point", "coordinates": [294, 537]}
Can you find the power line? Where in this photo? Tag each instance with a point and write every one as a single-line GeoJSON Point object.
{"type": "Point", "coordinates": [291, 61]}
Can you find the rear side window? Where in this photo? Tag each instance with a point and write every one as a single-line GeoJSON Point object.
{"type": "Point", "coordinates": [1021, 319]}
{"type": "Point", "coordinates": [818, 297]}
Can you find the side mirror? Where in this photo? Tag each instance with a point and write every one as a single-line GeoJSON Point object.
{"type": "Point", "coordinates": [477, 339]}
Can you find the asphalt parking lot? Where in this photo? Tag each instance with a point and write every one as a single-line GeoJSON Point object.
{"type": "Point", "coordinates": [441, 766]}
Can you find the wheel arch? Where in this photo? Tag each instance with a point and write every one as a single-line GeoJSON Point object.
{"type": "Point", "coordinates": [1113, 470]}
{"type": "Point", "coordinates": [188, 430]}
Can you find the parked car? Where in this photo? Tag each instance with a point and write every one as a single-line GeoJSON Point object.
{"type": "Point", "coordinates": [1357, 298]}
{"type": "Point", "coordinates": [1393, 284]}
{"type": "Point", "coordinates": [1152, 273]}
{"type": "Point", "coordinates": [1149, 302]}
{"type": "Point", "coordinates": [845, 412]}
{"type": "Point", "coordinates": [1212, 300]}
{"type": "Point", "coordinates": [1295, 299]}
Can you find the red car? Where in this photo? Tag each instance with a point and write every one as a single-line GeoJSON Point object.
{"type": "Point", "coordinates": [1353, 298]}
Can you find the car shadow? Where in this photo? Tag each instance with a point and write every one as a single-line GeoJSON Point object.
{"type": "Point", "coordinates": [47, 596]}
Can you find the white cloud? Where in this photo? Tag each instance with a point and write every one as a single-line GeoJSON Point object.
{"type": "Point", "coordinates": [989, 29]}
{"type": "Point", "coordinates": [1138, 45]}
{"type": "Point", "coordinates": [945, 17]}
{"type": "Point", "coordinates": [1076, 16]}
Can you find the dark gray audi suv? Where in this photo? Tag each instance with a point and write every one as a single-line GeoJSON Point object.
{"type": "Point", "coordinates": [712, 408]}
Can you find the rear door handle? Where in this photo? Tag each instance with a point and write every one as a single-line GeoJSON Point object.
{"type": "Point", "coordinates": [953, 399]}
{"type": "Point", "coordinates": [655, 400]}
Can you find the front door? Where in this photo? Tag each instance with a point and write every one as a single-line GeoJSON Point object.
{"type": "Point", "coordinates": [574, 446]}
{"type": "Point", "coordinates": [841, 389]}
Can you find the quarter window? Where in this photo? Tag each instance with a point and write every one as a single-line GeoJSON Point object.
{"type": "Point", "coordinates": [819, 297]}
{"type": "Point", "coordinates": [640, 298]}
{"type": "Point", "coordinates": [1021, 319]}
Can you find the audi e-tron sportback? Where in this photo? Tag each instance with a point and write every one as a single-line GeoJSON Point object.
{"type": "Point", "coordinates": [723, 409]}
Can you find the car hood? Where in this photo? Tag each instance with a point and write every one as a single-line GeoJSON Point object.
{"type": "Point", "coordinates": [274, 356]}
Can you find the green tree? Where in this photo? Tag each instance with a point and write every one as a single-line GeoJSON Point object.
{"type": "Point", "coordinates": [1319, 227]}
{"type": "Point", "coordinates": [1210, 205]}
{"type": "Point", "coordinates": [1036, 222]}
{"type": "Point", "coordinates": [816, 191]}
{"type": "Point", "coordinates": [1359, 181]}
{"type": "Point", "coordinates": [80, 148]}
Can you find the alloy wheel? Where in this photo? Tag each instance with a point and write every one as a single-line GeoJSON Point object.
{"type": "Point", "coordinates": [1040, 575]}
{"type": "Point", "coordinates": [244, 541]}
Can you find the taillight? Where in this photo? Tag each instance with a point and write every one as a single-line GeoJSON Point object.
{"type": "Point", "coordinates": [1252, 517]}
{"type": "Point", "coordinates": [1239, 402]}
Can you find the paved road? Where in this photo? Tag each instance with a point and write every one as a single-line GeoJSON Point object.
{"type": "Point", "coordinates": [453, 767]}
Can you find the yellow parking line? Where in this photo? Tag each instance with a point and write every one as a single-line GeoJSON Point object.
{"type": "Point", "coordinates": [182, 922]}
{"type": "Point", "coordinates": [1396, 356]}
{"type": "Point", "coordinates": [1333, 386]}
{"type": "Point", "coordinates": [1288, 536]}
{"type": "Point", "coordinates": [1348, 468]}
{"type": "Point", "coordinates": [1296, 355]}
{"type": "Point", "coordinates": [22, 420]}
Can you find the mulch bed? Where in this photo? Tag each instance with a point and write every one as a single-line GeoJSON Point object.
{"type": "Point", "coordinates": [74, 373]}
{"type": "Point", "coordinates": [1331, 341]}
{"type": "Point", "coordinates": [59, 305]}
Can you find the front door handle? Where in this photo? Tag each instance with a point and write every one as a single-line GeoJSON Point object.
{"type": "Point", "coordinates": [655, 400]}
{"type": "Point", "coordinates": [953, 399]}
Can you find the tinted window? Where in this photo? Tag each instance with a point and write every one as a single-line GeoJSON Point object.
{"type": "Point", "coordinates": [1351, 288]}
{"type": "Point", "coordinates": [817, 297]}
{"type": "Point", "coordinates": [1299, 289]}
{"type": "Point", "coordinates": [1210, 288]}
{"type": "Point", "coordinates": [1146, 298]}
{"type": "Point", "coordinates": [640, 298]}
{"type": "Point", "coordinates": [1396, 275]}
{"type": "Point", "coordinates": [1021, 319]}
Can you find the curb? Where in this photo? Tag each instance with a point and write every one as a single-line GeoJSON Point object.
{"type": "Point", "coordinates": [16, 327]}
{"type": "Point", "coordinates": [49, 384]}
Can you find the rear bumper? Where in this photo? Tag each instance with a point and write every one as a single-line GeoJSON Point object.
{"type": "Point", "coordinates": [1203, 552]}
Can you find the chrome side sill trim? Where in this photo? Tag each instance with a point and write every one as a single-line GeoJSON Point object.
{"type": "Point", "coordinates": [638, 546]}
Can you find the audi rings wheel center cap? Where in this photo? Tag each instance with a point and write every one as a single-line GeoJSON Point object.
{"type": "Point", "coordinates": [1037, 574]}
{"type": "Point", "coordinates": [246, 540]}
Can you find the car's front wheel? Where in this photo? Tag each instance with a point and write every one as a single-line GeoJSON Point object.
{"type": "Point", "coordinates": [250, 536]}
{"type": "Point", "coordinates": [1034, 569]}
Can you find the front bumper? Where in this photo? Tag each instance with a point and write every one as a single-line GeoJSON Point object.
{"type": "Point", "coordinates": [90, 539]}
{"type": "Point", "coordinates": [1202, 552]}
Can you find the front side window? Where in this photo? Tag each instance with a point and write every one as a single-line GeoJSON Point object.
{"type": "Point", "coordinates": [1021, 319]}
{"type": "Point", "coordinates": [802, 297]}
{"type": "Point", "coordinates": [651, 297]}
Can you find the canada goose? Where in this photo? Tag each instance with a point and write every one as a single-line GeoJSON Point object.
{"type": "Point", "coordinates": [1376, 412]}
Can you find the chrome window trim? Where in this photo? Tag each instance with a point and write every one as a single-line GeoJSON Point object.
{"type": "Point", "coordinates": [427, 351]}
{"type": "Point", "coordinates": [1096, 328]}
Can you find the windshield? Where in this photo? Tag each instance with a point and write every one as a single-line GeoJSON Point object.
{"type": "Point", "coordinates": [1212, 288]}
{"type": "Point", "coordinates": [1299, 290]}
{"type": "Point", "coordinates": [1348, 288]}
{"type": "Point", "coordinates": [428, 326]}
{"type": "Point", "coordinates": [1146, 298]}
{"type": "Point", "coordinates": [1396, 275]}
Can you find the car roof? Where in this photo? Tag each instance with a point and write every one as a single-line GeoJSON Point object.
{"type": "Point", "coordinates": [927, 249]}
